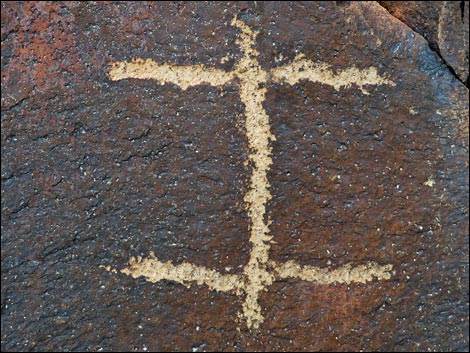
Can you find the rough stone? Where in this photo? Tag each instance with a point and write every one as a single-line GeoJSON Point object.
{"type": "Point", "coordinates": [444, 24]}
{"type": "Point", "coordinates": [101, 175]}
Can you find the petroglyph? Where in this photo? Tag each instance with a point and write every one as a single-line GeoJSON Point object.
{"type": "Point", "coordinates": [259, 273]}
{"type": "Point", "coordinates": [154, 270]}
{"type": "Point", "coordinates": [344, 274]}
{"type": "Point", "coordinates": [304, 69]}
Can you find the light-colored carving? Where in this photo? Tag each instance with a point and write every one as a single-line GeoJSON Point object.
{"type": "Point", "coordinates": [259, 273]}
{"type": "Point", "coordinates": [344, 274]}
{"type": "Point", "coordinates": [304, 69]}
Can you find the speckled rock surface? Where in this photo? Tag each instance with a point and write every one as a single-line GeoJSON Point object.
{"type": "Point", "coordinates": [96, 171]}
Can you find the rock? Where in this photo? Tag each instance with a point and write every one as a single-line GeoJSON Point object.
{"type": "Point", "coordinates": [230, 177]}
{"type": "Point", "coordinates": [444, 24]}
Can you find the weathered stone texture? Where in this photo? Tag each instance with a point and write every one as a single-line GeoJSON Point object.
{"type": "Point", "coordinates": [445, 26]}
{"type": "Point", "coordinates": [95, 171]}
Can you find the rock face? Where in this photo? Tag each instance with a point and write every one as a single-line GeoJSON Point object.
{"type": "Point", "coordinates": [233, 177]}
{"type": "Point", "coordinates": [443, 23]}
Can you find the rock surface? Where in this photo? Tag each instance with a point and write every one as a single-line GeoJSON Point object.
{"type": "Point", "coordinates": [445, 26]}
{"type": "Point", "coordinates": [97, 172]}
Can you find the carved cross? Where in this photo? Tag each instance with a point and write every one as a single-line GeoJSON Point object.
{"type": "Point", "coordinates": [260, 272]}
